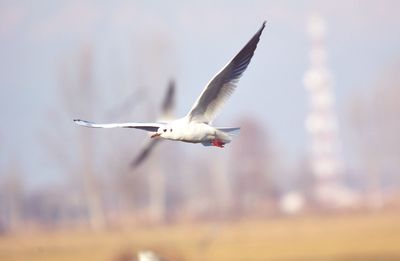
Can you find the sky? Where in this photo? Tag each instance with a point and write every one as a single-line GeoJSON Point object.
{"type": "Point", "coordinates": [145, 43]}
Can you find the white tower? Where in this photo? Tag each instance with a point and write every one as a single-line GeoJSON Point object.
{"type": "Point", "coordinates": [322, 125]}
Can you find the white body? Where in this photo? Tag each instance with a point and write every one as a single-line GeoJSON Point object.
{"type": "Point", "coordinates": [193, 132]}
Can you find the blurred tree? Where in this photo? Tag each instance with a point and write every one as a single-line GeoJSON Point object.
{"type": "Point", "coordinates": [375, 122]}
{"type": "Point", "coordinates": [85, 93]}
{"type": "Point", "coordinates": [77, 97]}
{"type": "Point", "coordinates": [154, 64]}
{"type": "Point", "coordinates": [12, 198]}
{"type": "Point", "coordinates": [200, 196]}
{"type": "Point", "coordinates": [252, 166]}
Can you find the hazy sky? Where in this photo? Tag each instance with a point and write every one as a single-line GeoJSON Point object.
{"type": "Point", "coordinates": [193, 41]}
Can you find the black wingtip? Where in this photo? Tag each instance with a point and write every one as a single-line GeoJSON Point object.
{"type": "Point", "coordinates": [263, 25]}
{"type": "Point", "coordinates": [75, 120]}
{"type": "Point", "coordinates": [259, 32]}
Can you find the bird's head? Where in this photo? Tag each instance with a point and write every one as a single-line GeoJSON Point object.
{"type": "Point", "coordinates": [166, 132]}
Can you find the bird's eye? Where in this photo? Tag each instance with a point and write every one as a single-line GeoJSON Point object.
{"type": "Point", "coordinates": [170, 130]}
{"type": "Point", "coordinates": [165, 130]}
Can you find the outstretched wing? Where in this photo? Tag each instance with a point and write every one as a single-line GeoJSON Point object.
{"type": "Point", "coordinates": [152, 127]}
{"type": "Point", "coordinates": [223, 84]}
{"type": "Point", "coordinates": [168, 105]}
{"type": "Point", "coordinates": [144, 153]}
{"type": "Point", "coordinates": [169, 100]}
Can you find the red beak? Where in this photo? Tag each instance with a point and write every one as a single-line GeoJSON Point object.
{"type": "Point", "coordinates": [155, 135]}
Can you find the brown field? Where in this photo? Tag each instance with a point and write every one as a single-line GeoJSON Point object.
{"type": "Point", "coordinates": [342, 237]}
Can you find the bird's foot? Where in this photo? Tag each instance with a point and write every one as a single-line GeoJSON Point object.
{"type": "Point", "coordinates": [217, 143]}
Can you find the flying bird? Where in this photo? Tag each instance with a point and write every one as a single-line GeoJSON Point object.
{"type": "Point", "coordinates": [167, 114]}
{"type": "Point", "coordinates": [195, 126]}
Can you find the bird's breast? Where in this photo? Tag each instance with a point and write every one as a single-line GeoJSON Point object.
{"type": "Point", "coordinates": [197, 132]}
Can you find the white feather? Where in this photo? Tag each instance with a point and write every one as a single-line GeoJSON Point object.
{"type": "Point", "coordinates": [152, 127]}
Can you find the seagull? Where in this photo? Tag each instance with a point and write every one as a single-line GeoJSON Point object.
{"type": "Point", "coordinates": [196, 126]}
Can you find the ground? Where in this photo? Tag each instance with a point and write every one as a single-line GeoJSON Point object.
{"type": "Point", "coordinates": [352, 237]}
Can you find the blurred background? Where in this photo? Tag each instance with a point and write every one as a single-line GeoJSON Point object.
{"type": "Point", "coordinates": [313, 175]}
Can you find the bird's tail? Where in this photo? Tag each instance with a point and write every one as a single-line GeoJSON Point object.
{"type": "Point", "coordinates": [223, 137]}
{"type": "Point", "coordinates": [230, 131]}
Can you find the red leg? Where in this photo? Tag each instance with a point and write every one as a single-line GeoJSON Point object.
{"type": "Point", "coordinates": [217, 143]}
